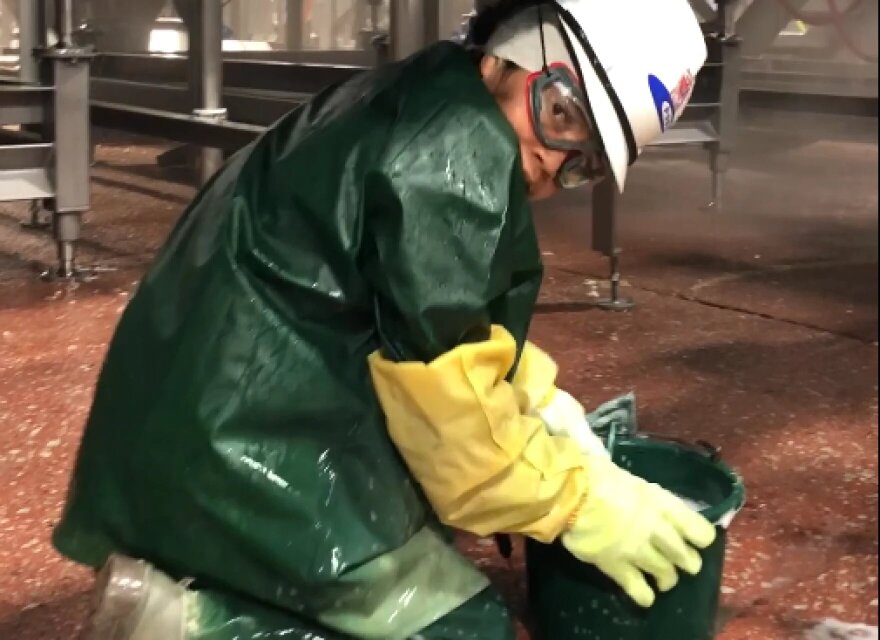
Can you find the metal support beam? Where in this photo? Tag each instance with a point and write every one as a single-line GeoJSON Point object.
{"type": "Point", "coordinates": [24, 172]}
{"type": "Point", "coordinates": [604, 199]}
{"type": "Point", "coordinates": [294, 27]}
{"type": "Point", "coordinates": [727, 17]}
{"type": "Point", "coordinates": [31, 36]}
{"type": "Point", "coordinates": [206, 56]}
{"type": "Point", "coordinates": [726, 118]}
{"type": "Point", "coordinates": [67, 124]}
{"type": "Point", "coordinates": [334, 23]}
{"type": "Point", "coordinates": [22, 104]}
{"type": "Point", "coordinates": [261, 75]}
{"type": "Point", "coordinates": [179, 127]}
{"type": "Point", "coordinates": [206, 75]}
{"type": "Point", "coordinates": [761, 23]}
{"type": "Point", "coordinates": [605, 240]}
{"type": "Point", "coordinates": [414, 25]}
{"type": "Point", "coordinates": [72, 152]}
{"type": "Point", "coordinates": [703, 10]}
{"type": "Point", "coordinates": [431, 32]}
{"type": "Point", "coordinates": [259, 108]}
{"type": "Point", "coordinates": [64, 23]}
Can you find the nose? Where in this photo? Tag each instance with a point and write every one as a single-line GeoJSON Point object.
{"type": "Point", "coordinates": [550, 160]}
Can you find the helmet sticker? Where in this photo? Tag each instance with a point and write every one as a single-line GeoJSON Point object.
{"type": "Point", "coordinates": [682, 92]}
{"type": "Point", "coordinates": [663, 102]}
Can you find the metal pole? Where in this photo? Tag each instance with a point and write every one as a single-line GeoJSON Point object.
{"type": "Point", "coordinates": [294, 25]}
{"type": "Point", "coordinates": [369, 31]}
{"type": "Point", "coordinates": [374, 15]}
{"type": "Point", "coordinates": [64, 23]}
{"type": "Point", "coordinates": [29, 38]}
{"type": "Point", "coordinates": [605, 241]}
{"type": "Point", "coordinates": [431, 24]}
{"type": "Point", "coordinates": [206, 75]}
{"type": "Point", "coordinates": [408, 27]}
{"type": "Point", "coordinates": [334, 26]}
{"type": "Point", "coordinates": [727, 115]}
{"type": "Point", "coordinates": [206, 56]}
{"type": "Point", "coordinates": [70, 124]}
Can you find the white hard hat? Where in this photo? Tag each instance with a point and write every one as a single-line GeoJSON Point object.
{"type": "Point", "coordinates": [638, 60]}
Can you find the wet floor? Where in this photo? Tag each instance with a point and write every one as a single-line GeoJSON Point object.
{"type": "Point", "coordinates": [755, 329]}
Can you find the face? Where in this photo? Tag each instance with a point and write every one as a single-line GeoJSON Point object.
{"type": "Point", "coordinates": [540, 163]}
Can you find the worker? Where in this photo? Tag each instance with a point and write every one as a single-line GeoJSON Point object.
{"type": "Point", "coordinates": [326, 369]}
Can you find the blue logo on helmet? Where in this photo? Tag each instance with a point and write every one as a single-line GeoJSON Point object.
{"type": "Point", "coordinates": [663, 102]}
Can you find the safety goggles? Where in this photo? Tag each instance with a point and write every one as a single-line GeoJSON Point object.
{"type": "Point", "coordinates": [560, 115]}
{"type": "Point", "coordinates": [561, 122]}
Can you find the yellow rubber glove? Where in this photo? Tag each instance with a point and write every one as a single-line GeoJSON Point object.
{"type": "Point", "coordinates": [629, 528]}
{"type": "Point", "coordinates": [484, 466]}
{"type": "Point", "coordinates": [539, 396]}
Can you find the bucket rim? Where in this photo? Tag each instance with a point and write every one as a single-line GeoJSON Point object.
{"type": "Point", "coordinates": [720, 514]}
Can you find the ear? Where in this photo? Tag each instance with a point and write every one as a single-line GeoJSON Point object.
{"type": "Point", "coordinates": [492, 70]}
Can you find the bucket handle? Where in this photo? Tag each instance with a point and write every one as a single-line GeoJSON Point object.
{"type": "Point", "coordinates": [700, 447]}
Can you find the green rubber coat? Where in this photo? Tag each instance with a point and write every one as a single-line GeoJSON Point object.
{"type": "Point", "coordinates": [235, 436]}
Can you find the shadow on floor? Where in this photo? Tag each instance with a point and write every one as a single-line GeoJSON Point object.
{"type": "Point", "coordinates": [820, 378]}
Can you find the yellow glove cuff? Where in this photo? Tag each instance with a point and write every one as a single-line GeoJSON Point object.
{"type": "Point", "coordinates": [484, 466]}
{"type": "Point", "coordinates": [534, 382]}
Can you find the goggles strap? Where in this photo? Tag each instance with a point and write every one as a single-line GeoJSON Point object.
{"type": "Point", "coordinates": [543, 44]}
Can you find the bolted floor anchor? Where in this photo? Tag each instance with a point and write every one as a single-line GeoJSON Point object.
{"type": "Point", "coordinates": [66, 268]}
{"type": "Point", "coordinates": [66, 227]}
{"type": "Point", "coordinates": [615, 302]}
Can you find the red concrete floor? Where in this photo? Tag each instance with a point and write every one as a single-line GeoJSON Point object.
{"type": "Point", "coordinates": [756, 329]}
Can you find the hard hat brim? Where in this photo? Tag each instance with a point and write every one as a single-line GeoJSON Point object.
{"type": "Point", "coordinates": [605, 117]}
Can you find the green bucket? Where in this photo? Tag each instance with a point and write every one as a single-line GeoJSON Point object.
{"type": "Point", "coordinates": [571, 600]}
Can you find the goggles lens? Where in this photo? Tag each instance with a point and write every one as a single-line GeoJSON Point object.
{"type": "Point", "coordinates": [562, 122]}
{"type": "Point", "coordinates": [580, 169]}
